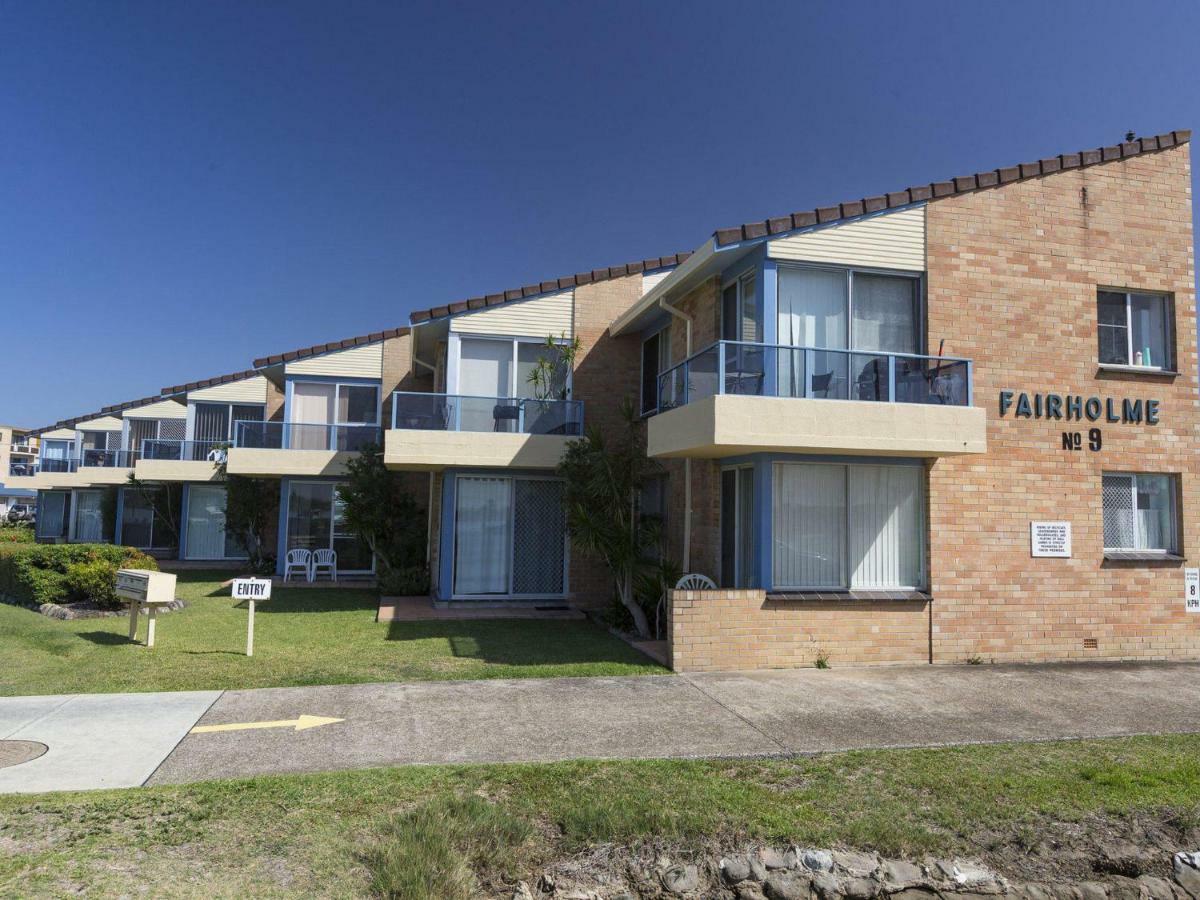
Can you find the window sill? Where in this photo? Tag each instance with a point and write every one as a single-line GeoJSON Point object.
{"type": "Point", "coordinates": [1136, 370]}
{"type": "Point", "coordinates": [1141, 556]}
{"type": "Point", "coordinates": [850, 596]}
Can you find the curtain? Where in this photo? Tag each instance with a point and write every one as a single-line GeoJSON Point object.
{"type": "Point", "coordinates": [812, 313]}
{"type": "Point", "coordinates": [206, 522]}
{"type": "Point", "coordinates": [885, 526]}
{"type": "Point", "coordinates": [52, 516]}
{"type": "Point", "coordinates": [484, 374]}
{"type": "Point", "coordinates": [89, 524]}
{"type": "Point", "coordinates": [312, 410]}
{"type": "Point", "coordinates": [482, 535]}
{"type": "Point", "coordinates": [885, 313]}
{"type": "Point", "coordinates": [809, 524]}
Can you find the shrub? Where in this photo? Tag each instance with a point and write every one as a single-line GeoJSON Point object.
{"type": "Point", "coordinates": [95, 581]}
{"type": "Point", "coordinates": [16, 534]}
{"type": "Point", "coordinates": [412, 581]}
{"type": "Point", "coordinates": [38, 573]}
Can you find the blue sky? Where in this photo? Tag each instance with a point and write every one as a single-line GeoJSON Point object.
{"type": "Point", "coordinates": [186, 186]}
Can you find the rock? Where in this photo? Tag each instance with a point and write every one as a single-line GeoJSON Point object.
{"type": "Point", "coordinates": [522, 892]}
{"type": "Point", "coordinates": [826, 886]}
{"type": "Point", "coordinates": [1122, 888]}
{"type": "Point", "coordinates": [787, 886]}
{"type": "Point", "coordinates": [1187, 872]}
{"type": "Point", "coordinates": [974, 877]}
{"type": "Point", "coordinates": [749, 890]}
{"type": "Point", "coordinates": [772, 858]}
{"type": "Point", "coordinates": [681, 879]}
{"type": "Point", "coordinates": [1032, 891]}
{"type": "Point", "coordinates": [546, 883]}
{"type": "Point", "coordinates": [817, 860]}
{"type": "Point", "coordinates": [734, 870]}
{"type": "Point", "coordinates": [914, 894]}
{"type": "Point", "coordinates": [1119, 857]}
{"type": "Point", "coordinates": [860, 888]}
{"type": "Point", "coordinates": [859, 865]}
{"type": "Point", "coordinates": [897, 873]}
{"type": "Point", "coordinates": [757, 870]}
{"type": "Point", "coordinates": [1092, 890]}
{"type": "Point", "coordinates": [1156, 888]}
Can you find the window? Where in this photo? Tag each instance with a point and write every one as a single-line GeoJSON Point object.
{"type": "Point", "coordinates": [656, 359]}
{"type": "Point", "coordinates": [1139, 512]}
{"type": "Point", "coordinates": [652, 507]}
{"type": "Point", "coordinates": [332, 416]}
{"type": "Point", "coordinates": [737, 527]}
{"type": "Point", "coordinates": [848, 526]}
{"type": "Point", "coordinates": [1134, 329]}
{"type": "Point", "coordinates": [741, 315]}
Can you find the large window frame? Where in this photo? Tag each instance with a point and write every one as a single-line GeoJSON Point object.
{"type": "Point", "coordinates": [1135, 524]}
{"type": "Point", "coordinates": [1130, 359]}
{"type": "Point", "coordinates": [661, 341]}
{"type": "Point", "coordinates": [734, 291]}
{"type": "Point", "coordinates": [919, 300]}
{"type": "Point", "coordinates": [738, 520]}
{"type": "Point", "coordinates": [845, 581]}
{"type": "Point", "coordinates": [514, 362]}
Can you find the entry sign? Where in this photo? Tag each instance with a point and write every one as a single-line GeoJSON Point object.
{"type": "Point", "coordinates": [1050, 539]}
{"type": "Point", "coordinates": [1191, 590]}
{"type": "Point", "coordinates": [252, 589]}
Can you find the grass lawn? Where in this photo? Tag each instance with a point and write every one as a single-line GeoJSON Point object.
{"type": "Point", "coordinates": [301, 636]}
{"type": "Point", "coordinates": [355, 833]}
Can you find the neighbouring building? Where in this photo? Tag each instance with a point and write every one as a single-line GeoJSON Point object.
{"type": "Point", "coordinates": [952, 422]}
{"type": "Point", "coordinates": [17, 454]}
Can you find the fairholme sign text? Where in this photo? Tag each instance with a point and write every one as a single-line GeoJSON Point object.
{"type": "Point", "coordinates": [1077, 408]}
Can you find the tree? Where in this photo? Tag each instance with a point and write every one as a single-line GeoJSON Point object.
{"type": "Point", "coordinates": [603, 484]}
{"type": "Point", "coordinates": [251, 507]}
{"type": "Point", "coordinates": [165, 501]}
{"type": "Point", "coordinates": [553, 366]}
{"type": "Point", "coordinates": [384, 515]}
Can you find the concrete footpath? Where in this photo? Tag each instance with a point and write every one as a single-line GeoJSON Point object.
{"type": "Point", "coordinates": [241, 733]}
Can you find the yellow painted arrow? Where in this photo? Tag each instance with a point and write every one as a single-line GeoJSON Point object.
{"type": "Point", "coordinates": [300, 723]}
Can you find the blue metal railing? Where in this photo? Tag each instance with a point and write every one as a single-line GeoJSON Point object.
{"type": "Point", "coordinates": [776, 370]}
{"type": "Point", "coordinates": [192, 451]}
{"type": "Point", "coordinates": [304, 436]}
{"type": "Point", "coordinates": [512, 415]}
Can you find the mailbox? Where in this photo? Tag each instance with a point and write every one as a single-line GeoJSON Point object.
{"type": "Point", "coordinates": [141, 587]}
{"type": "Point", "coordinates": [145, 587]}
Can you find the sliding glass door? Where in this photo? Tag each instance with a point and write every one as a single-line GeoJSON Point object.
{"type": "Point", "coordinates": [316, 521]}
{"type": "Point", "coordinates": [89, 517]}
{"type": "Point", "coordinates": [332, 416]}
{"type": "Point", "coordinates": [207, 536]}
{"type": "Point", "coordinates": [53, 514]}
{"type": "Point", "coordinates": [509, 537]}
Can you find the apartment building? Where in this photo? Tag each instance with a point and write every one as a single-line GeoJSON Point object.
{"type": "Point", "coordinates": [951, 422]}
{"type": "Point", "coordinates": [17, 454]}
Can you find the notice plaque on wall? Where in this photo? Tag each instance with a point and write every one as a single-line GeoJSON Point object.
{"type": "Point", "coordinates": [1050, 539]}
{"type": "Point", "coordinates": [1191, 590]}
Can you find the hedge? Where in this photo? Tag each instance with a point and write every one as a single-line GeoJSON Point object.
{"type": "Point", "coordinates": [63, 573]}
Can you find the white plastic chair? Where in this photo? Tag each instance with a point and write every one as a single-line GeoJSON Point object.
{"type": "Point", "coordinates": [326, 559]}
{"type": "Point", "coordinates": [695, 582]}
{"type": "Point", "coordinates": [298, 559]}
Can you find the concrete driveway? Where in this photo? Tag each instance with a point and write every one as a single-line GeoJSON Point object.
{"type": "Point", "coordinates": [725, 715]}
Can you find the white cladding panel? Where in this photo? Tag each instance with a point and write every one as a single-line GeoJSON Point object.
{"type": "Point", "coordinates": [650, 280]}
{"type": "Point", "coordinates": [248, 390]}
{"type": "Point", "coordinates": [887, 241]}
{"type": "Point", "coordinates": [166, 409]}
{"type": "Point", "coordinates": [365, 361]}
{"type": "Point", "coordinates": [104, 423]}
{"type": "Point", "coordinates": [546, 314]}
{"type": "Point", "coordinates": [58, 434]}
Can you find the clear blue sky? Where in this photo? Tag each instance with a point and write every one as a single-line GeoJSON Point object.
{"type": "Point", "coordinates": [186, 186]}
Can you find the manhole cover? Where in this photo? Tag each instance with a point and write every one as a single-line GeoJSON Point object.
{"type": "Point", "coordinates": [13, 753]}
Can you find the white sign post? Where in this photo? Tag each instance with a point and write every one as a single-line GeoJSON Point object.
{"type": "Point", "coordinates": [1191, 590]}
{"type": "Point", "coordinates": [250, 590]}
{"type": "Point", "coordinates": [1050, 539]}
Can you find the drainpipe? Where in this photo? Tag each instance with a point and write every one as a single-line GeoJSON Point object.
{"type": "Point", "coordinates": [687, 462]}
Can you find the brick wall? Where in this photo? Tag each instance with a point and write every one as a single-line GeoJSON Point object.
{"type": "Point", "coordinates": [1012, 280]}
{"type": "Point", "coordinates": [727, 630]}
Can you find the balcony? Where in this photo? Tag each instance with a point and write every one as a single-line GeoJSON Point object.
{"type": "Point", "coordinates": [23, 449]}
{"type": "Point", "coordinates": [275, 449]}
{"type": "Point", "coordinates": [94, 467]}
{"type": "Point", "coordinates": [170, 460]}
{"type": "Point", "coordinates": [734, 398]}
{"type": "Point", "coordinates": [434, 431]}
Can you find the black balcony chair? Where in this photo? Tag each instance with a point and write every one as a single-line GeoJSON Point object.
{"type": "Point", "coordinates": [821, 384]}
{"type": "Point", "coordinates": [872, 380]}
{"type": "Point", "coordinates": [503, 413]}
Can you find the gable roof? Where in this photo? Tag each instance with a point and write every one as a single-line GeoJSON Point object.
{"type": "Point", "coordinates": [103, 411]}
{"type": "Point", "coordinates": [317, 349]}
{"type": "Point", "coordinates": [558, 284]}
{"type": "Point", "coordinates": [937, 190]}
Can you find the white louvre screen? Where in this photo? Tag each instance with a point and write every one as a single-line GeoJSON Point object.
{"type": "Point", "coordinates": [482, 535]}
{"type": "Point", "coordinates": [206, 522]}
{"type": "Point", "coordinates": [809, 524]}
{"type": "Point", "coordinates": [538, 546]}
{"type": "Point", "coordinates": [886, 514]}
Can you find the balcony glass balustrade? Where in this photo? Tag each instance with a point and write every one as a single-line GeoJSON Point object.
{"type": "Point", "coordinates": [772, 370]}
{"type": "Point", "coordinates": [510, 415]}
{"type": "Point", "coordinates": [106, 459]}
{"type": "Point", "coordinates": [185, 451]}
{"type": "Point", "coordinates": [304, 436]}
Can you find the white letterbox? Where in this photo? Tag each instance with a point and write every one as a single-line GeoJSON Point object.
{"type": "Point", "coordinates": [145, 587]}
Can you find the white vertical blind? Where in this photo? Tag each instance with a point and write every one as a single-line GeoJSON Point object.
{"type": "Point", "coordinates": [809, 525]}
{"type": "Point", "coordinates": [52, 515]}
{"type": "Point", "coordinates": [312, 404]}
{"type": "Point", "coordinates": [89, 525]}
{"type": "Point", "coordinates": [482, 535]}
{"type": "Point", "coordinates": [886, 514]}
{"type": "Point", "coordinates": [206, 522]}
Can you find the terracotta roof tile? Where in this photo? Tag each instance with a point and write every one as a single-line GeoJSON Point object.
{"type": "Point", "coordinates": [316, 349]}
{"type": "Point", "coordinates": [940, 189]}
